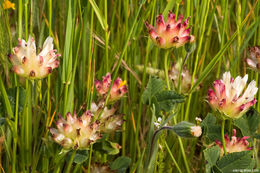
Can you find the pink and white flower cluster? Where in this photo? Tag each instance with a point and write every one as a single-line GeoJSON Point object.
{"type": "Point", "coordinates": [170, 34]}
{"type": "Point", "coordinates": [229, 97]}
{"type": "Point", "coordinates": [109, 121]}
{"type": "Point", "coordinates": [76, 132]}
{"type": "Point", "coordinates": [27, 64]}
{"type": "Point", "coordinates": [236, 144]}
{"type": "Point", "coordinates": [118, 90]}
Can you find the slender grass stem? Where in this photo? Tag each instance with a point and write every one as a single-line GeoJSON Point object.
{"type": "Point", "coordinates": [175, 121]}
{"type": "Point", "coordinates": [106, 37]}
{"type": "Point", "coordinates": [90, 157]}
{"type": "Point", "coordinates": [173, 159]}
{"type": "Point", "coordinates": [70, 161]}
{"type": "Point", "coordinates": [223, 136]}
{"type": "Point", "coordinates": [166, 70]}
{"type": "Point", "coordinates": [49, 76]}
{"type": "Point", "coordinates": [90, 57]}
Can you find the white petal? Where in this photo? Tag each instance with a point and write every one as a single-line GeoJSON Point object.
{"type": "Point", "coordinates": [47, 46]}
{"type": "Point", "coordinates": [251, 63]}
{"type": "Point", "coordinates": [226, 80]}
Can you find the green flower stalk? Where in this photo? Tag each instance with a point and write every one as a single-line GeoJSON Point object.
{"type": "Point", "coordinates": [29, 65]}
{"type": "Point", "coordinates": [76, 132]}
{"type": "Point", "coordinates": [170, 34]}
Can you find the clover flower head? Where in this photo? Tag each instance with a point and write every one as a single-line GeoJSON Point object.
{"type": "Point", "coordinates": [118, 89]}
{"type": "Point", "coordinates": [254, 60]}
{"type": "Point", "coordinates": [29, 65]}
{"type": "Point", "coordinates": [186, 77]}
{"type": "Point", "coordinates": [236, 144]}
{"type": "Point", "coordinates": [108, 120]}
{"type": "Point", "coordinates": [170, 34]}
{"type": "Point", "coordinates": [8, 4]}
{"type": "Point", "coordinates": [76, 132]}
{"type": "Point", "coordinates": [229, 96]}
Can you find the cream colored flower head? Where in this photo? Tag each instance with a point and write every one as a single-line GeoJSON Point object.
{"type": "Point", "coordinates": [28, 64]}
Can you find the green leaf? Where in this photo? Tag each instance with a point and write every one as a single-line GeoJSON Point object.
{"type": "Point", "coordinates": [216, 169]}
{"type": "Point", "coordinates": [107, 147]}
{"type": "Point", "coordinates": [211, 130]}
{"type": "Point", "coordinates": [121, 164]}
{"type": "Point", "coordinates": [235, 161]}
{"type": "Point", "coordinates": [154, 86]}
{"type": "Point", "coordinates": [5, 99]}
{"type": "Point", "coordinates": [211, 156]}
{"type": "Point", "coordinates": [110, 147]}
{"type": "Point", "coordinates": [99, 14]}
{"type": "Point", "coordinates": [80, 156]}
{"type": "Point", "coordinates": [167, 100]}
{"type": "Point", "coordinates": [248, 123]}
{"type": "Point", "coordinates": [11, 92]}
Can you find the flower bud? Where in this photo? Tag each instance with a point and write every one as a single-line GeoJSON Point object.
{"type": "Point", "coordinates": [187, 130]}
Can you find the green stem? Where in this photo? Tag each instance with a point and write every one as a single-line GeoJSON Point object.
{"type": "Point", "coordinates": [26, 18]}
{"type": "Point", "coordinates": [124, 50]}
{"type": "Point", "coordinates": [173, 159]}
{"type": "Point", "coordinates": [182, 150]}
{"type": "Point", "coordinates": [49, 76]}
{"type": "Point", "coordinates": [90, 58]}
{"type": "Point", "coordinates": [15, 126]}
{"type": "Point", "coordinates": [175, 121]}
{"type": "Point", "coordinates": [255, 152]}
{"type": "Point", "coordinates": [223, 136]}
{"type": "Point", "coordinates": [70, 161]}
{"type": "Point", "coordinates": [166, 70]}
{"type": "Point", "coordinates": [20, 16]}
{"type": "Point", "coordinates": [28, 123]}
{"type": "Point", "coordinates": [90, 157]}
{"type": "Point", "coordinates": [106, 37]}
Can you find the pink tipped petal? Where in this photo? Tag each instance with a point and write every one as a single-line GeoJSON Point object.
{"type": "Point", "coordinates": [171, 18]}
{"type": "Point", "coordinates": [235, 144]}
{"type": "Point", "coordinates": [118, 89]}
{"type": "Point", "coordinates": [171, 33]}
